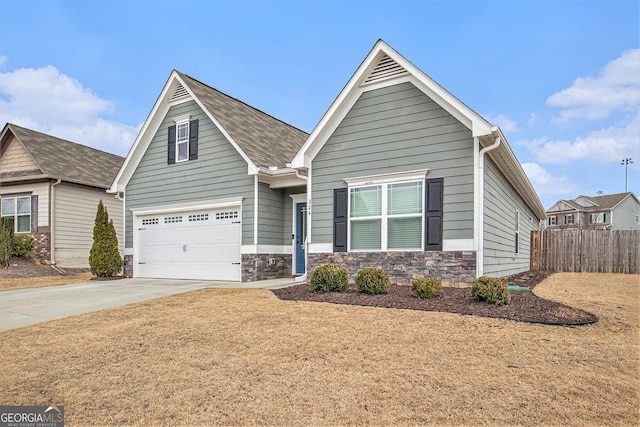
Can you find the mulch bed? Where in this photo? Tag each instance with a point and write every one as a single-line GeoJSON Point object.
{"type": "Point", "coordinates": [21, 267]}
{"type": "Point", "coordinates": [525, 306]}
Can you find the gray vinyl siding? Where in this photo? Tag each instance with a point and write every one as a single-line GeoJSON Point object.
{"type": "Point", "coordinates": [219, 172]}
{"type": "Point", "coordinates": [270, 214]}
{"type": "Point", "coordinates": [624, 215]}
{"type": "Point", "coordinates": [500, 204]}
{"type": "Point", "coordinates": [396, 129]}
{"type": "Point", "coordinates": [74, 218]}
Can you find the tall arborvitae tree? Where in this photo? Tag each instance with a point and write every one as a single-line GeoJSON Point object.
{"type": "Point", "coordinates": [6, 240]}
{"type": "Point", "coordinates": [104, 258]}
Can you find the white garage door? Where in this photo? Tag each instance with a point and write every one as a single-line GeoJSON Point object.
{"type": "Point", "coordinates": [189, 245]}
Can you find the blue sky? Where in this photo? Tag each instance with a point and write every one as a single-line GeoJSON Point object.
{"type": "Point", "coordinates": [561, 78]}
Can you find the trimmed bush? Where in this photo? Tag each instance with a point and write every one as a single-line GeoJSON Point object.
{"type": "Point", "coordinates": [491, 290]}
{"type": "Point", "coordinates": [6, 240]}
{"type": "Point", "coordinates": [104, 258]}
{"type": "Point", "coordinates": [329, 278]}
{"type": "Point", "coordinates": [372, 280]}
{"type": "Point", "coordinates": [22, 245]}
{"type": "Point", "coordinates": [426, 287]}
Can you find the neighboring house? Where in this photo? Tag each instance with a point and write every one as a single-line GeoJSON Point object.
{"type": "Point", "coordinates": [52, 187]}
{"type": "Point", "coordinates": [398, 174]}
{"type": "Point", "coordinates": [607, 212]}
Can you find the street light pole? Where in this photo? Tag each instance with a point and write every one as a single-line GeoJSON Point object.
{"type": "Point", "coordinates": [626, 161]}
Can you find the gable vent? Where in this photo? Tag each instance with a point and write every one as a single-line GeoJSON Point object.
{"type": "Point", "coordinates": [387, 68]}
{"type": "Point", "coordinates": [179, 93]}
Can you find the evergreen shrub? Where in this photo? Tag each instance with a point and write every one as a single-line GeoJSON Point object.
{"type": "Point", "coordinates": [426, 287]}
{"type": "Point", "coordinates": [491, 290]}
{"type": "Point", "coordinates": [373, 280]}
{"type": "Point", "coordinates": [6, 240]}
{"type": "Point", "coordinates": [104, 258]}
{"type": "Point", "coordinates": [22, 245]}
{"type": "Point", "coordinates": [329, 278]}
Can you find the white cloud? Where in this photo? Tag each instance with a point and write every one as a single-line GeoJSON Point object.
{"type": "Point", "coordinates": [617, 87]}
{"type": "Point", "coordinates": [548, 185]}
{"type": "Point", "coordinates": [504, 122]}
{"type": "Point", "coordinates": [46, 100]}
{"type": "Point", "coordinates": [533, 119]}
{"type": "Point", "coordinates": [3, 60]}
{"type": "Point", "coordinates": [600, 146]}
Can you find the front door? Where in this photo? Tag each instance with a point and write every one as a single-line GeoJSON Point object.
{"type": "Point", "coordinates": [301, 234]}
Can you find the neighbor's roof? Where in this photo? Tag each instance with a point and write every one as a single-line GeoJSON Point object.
{"type": "Point", "coordinates": [608, 201]}
{"type": "Point", "coordinates": [266, 140]}
{"type": "Point", "coordinates": [61, 159]}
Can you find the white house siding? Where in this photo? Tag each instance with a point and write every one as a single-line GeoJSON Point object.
{"type": "Point", "coordinates": [219, 172]}
{"type": "Point", "coordinates": [74, 219]}
{"type": "Point", "coordinates": [624, 215]}
{"type": "Point", "coordinates": [40, 189]}
{"type": "Point", "coordinates": [395, 129]}
{"type": "Point", "coordinates": [500, 204]}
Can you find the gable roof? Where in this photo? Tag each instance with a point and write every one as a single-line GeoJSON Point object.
{"type": "Point", "coordinates": [599, 203]}
{"type": "Point", "coordinates": [262, 140]}
{"type": "Point", "coordinates": [60, 159]}
{"type": "Point", "coordinates": [384, 66]}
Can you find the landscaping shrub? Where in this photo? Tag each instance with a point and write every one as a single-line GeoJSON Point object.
{"type": "Point", "coordinates": [329, 278]}
{"type": "Point", "coordinates": [6, 240]}
{"type": "Point", "coordinates": [372, 280]}
{"type": "Point", "coordinates": [22, 245]}
{"type": "Point", "coordinates": [426, 287]}
{"type": "Point", "coordinates": [104, 258]}
{"type": "Point", "coordinates": [491, 290]}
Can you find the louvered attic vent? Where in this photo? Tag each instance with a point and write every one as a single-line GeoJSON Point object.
{"type": "Point", "coordinates": [180, 92]}
{"type": "Point", "coordinates": [387, 68]}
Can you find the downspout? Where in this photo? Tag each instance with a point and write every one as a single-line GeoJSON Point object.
{"type": "Point", "coordinates": [124, 224]}
{"type": "Point", "coordinates": [255, 211]}
{"type": "Point", "coordinates": [307, 178]}
{"type": "Point", "coordinates": [52, 239]}
{"type": "Point", "coordinates": [480, 250]}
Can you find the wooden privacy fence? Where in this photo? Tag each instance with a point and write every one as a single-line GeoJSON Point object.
{"type": "Point", "coordinates": [586, 251]}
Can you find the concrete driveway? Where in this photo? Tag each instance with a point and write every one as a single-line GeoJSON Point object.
{"type": "Point", "coordinates": [24, 307]}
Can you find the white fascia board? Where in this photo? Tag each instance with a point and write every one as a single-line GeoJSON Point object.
{"type": "Point", "coordinates": [280, 178]}
{"type": "Point", "coordinates": [353, 89]}
{"type": "Point", "coordinates": [146, 134]}
{"type": "Point", "coordinates": [252, 168]}
{"type": "Point", "coordinates": [191, 206]}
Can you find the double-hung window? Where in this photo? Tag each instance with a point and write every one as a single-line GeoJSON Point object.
{"type": "Point", "coordinates": [182, 140]}
{"type": "Point", "coordinates": [387, 216]}
{"type": "Point", "coordinates": [598, 218]}
{"type": "Point", "coordinates": [18, 208]}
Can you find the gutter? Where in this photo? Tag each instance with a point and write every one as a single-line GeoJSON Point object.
{"type": "Point", "coordinates": [480, 178]}
{"type": "Point", "coordinates": [52, 239]}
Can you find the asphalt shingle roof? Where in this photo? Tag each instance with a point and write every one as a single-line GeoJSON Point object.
{"type": "Point", "coordinates": [66, 160]}
{"type": "Point", "coordinates": [266, 140]}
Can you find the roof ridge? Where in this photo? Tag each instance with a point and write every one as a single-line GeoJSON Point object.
{"type": "Point", "coordinates": [242, 102]}
{"type": "Point", "coordinates": [62, 139]}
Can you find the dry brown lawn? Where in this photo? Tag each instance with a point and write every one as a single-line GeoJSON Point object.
{"type": "Point", "coordinates": [14, 283]}
{"type": "Point", "coordinates": [243, 357]}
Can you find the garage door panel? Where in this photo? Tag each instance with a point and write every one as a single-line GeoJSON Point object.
{"type": "Point", "coordinates": [198, 245]}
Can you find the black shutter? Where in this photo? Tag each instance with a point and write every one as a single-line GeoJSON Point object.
{"type": "Point", "coordinates": [433, 215]}
{"type": "Point", "coordinates": [340, 220]}
{"type": "Point", "coordinates": [193, 139]}
{"type": "Point", "coordinates": [34, 214]}
{"type": "Point", "coordinates": [171, 146]}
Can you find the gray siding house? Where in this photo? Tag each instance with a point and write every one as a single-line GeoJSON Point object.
{"type": "Point", "coordinates": [398, 173]}
{"type": "Point", "coordinates": [52, 187]}
{"type": "Point", "coordinates": [603, 212]}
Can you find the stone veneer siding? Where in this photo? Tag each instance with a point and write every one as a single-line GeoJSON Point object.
{"type": "Point", "coordinates": [453, 268]}
{"type": "Point", "coordinates": [127, 270]}
{"type": "Point", "coordinates": [256, 267]}
{"type": "Point", "coordinates": [41, 247]}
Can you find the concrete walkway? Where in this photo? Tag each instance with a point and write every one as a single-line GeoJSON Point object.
{"type": "Point", "coordinates": [24, 307]}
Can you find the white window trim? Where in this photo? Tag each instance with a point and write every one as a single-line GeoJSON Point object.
{"type": "Point", "coordinates": [15, 214]}
{"type": "Point", "coordinates": [182, 120]}
{"type": "Point", "coordinates": [388, 178]}
{"type": "Point", "coordinates": [384, 216]}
